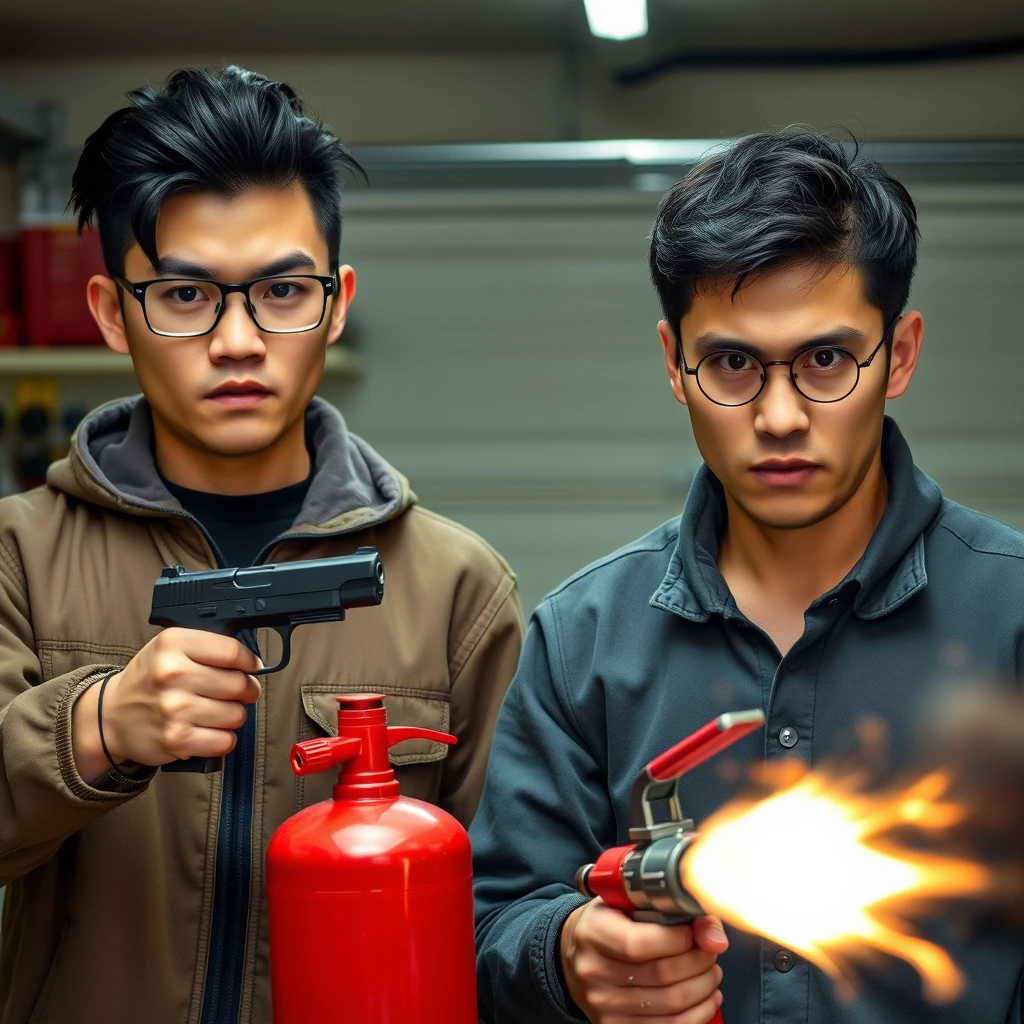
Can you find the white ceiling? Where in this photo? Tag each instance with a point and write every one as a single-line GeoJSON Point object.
{"type": "Point", "coordinates": [41, 28]}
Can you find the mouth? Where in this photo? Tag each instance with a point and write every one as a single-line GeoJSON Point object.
{"type": "Point", "coordinates": [239, 394]}
{"type": "Point", "coordinates": [784, 472]}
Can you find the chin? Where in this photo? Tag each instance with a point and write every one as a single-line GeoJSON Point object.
{"type": "Point", "coordinates": [240, 440]}
{"type": "Point", "coordinates": [791, 515]}
{"type": "Point", "coordinates": [790, 522]}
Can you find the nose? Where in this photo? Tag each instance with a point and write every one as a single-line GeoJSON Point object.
{"type": "Point", "coordinates": [236, 336]}
{"type": "Point", "coordinates": [780, 410]}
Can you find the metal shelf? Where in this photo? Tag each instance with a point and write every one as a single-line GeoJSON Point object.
{"type": "Point", "coordinates": [96, 360]}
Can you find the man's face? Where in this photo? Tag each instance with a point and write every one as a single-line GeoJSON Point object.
{"type": "Point", "coordinates": [238, 390]}
{"type": "Point", "coordinates": [786, 461]}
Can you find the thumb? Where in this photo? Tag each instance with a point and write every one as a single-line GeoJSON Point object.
{"type": "Point", "coordinates": [709, 935]}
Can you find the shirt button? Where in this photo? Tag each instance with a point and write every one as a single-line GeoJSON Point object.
{"type": "Point", "coordinates": [784, 961]}
{"type": "Point", "coordinates": [835, 600]}
{"type": "Point", "coordinates": [789, 737]}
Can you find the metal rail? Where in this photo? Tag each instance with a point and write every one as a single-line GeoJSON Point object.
{"type": "Point", "coordinates": [647, 163]}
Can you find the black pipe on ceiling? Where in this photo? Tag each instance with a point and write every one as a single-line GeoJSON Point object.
{"type": "Point", "coordinates": [686, 60]}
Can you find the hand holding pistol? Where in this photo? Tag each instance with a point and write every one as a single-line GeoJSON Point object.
{"type": "Point", "coordinates": [179, 700]}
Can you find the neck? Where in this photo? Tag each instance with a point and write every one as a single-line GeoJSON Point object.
{"type": "Point", "coordinates": [284, 463]}
{"type": "Point", "coordinates": [774, 563]}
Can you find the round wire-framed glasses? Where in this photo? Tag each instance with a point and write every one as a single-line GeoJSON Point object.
{"type": "Point", "coordinates": [825, 373]}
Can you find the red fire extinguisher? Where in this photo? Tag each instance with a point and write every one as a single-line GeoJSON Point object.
{"type": "Point", "coordinates": [369, 894]}
{"type": "Point", "coordinates": [643, 879]}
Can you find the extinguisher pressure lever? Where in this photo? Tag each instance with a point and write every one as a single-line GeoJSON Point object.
{"type": "Point", "coordinates": [704, 743]}
{"type": "Point", "coordinates": [654, 800]}
{"type": "Point", "coordinates": [399, 733]}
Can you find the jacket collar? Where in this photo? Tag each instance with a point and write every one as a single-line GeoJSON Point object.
{"type": "Point", "coordinates": [891, 570]}
{"type": "Point", "coordinates": [111, 464]}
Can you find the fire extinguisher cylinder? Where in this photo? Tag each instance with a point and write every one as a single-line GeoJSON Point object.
{"type": "Point", "coordinates": [370, 893]}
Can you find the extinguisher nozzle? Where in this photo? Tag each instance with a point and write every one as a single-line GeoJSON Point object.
{"type": "Point", "coordinates": [322, 752]}
{"type": "Point", "coordinates": [582, 876]}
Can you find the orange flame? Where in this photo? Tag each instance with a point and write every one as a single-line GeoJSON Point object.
{"type": "Point", "coordinates": [808, 867]}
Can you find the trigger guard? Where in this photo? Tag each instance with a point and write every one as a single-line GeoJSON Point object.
{"type": "Point", "coordinates": [285, 633]}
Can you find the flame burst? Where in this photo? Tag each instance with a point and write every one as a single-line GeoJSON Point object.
{"type": "Point", "coordinates": [808, 867]}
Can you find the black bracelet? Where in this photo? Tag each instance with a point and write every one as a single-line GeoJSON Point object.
{"type": "Point", "coordinates": [99, 717]}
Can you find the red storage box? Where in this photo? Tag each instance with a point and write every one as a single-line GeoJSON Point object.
{"type": "Point", "coordinates": [9, 283]}
{"type": "Point", "coordinates": [9, 329]}
{"type": "Point", "coordinates": [55, 268]}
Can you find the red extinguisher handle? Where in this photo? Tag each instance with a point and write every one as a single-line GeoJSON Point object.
{"type": "Point", "coordinates": [704, 743]}
{"type": "Point", "coordinates": [398, 733]}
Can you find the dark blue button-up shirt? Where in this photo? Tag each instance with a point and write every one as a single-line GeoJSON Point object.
{"type": "Point", "coordinates": [645, 646]}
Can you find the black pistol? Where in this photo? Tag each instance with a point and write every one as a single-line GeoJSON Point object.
{"type": "Point", "coordinates": [235, 602]}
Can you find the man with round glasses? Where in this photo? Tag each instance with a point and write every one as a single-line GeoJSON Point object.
{"type": "Point", "coordinates": [815, 573]}
{"type": "Point", "coordinates": [135, 895]}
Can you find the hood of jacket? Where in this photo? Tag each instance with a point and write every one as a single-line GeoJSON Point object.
{"type": "Point", "coordinates": [111, 464]}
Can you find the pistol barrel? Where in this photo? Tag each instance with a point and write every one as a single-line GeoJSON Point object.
{"type": "Point", "coordinates": [285, 593]}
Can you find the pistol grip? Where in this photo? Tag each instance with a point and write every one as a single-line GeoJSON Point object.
{"type": "Point", "coordinates": [204, 765]}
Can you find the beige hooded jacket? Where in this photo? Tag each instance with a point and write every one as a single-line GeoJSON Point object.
{"type": "Point", "coordinates": [109, 915]}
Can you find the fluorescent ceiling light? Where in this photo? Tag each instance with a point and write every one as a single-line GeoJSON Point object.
{"type": "Point", "coordinates": [617, 19]}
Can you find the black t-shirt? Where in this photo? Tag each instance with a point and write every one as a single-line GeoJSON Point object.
{"type": "Point", "coordinates": [242, 525]}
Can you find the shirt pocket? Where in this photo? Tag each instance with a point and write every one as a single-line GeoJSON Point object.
{"type": "Point", "coordinates": [418, 763]}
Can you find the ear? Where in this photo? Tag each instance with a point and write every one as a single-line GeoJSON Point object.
{"type": "Point", "coordinates": [342, 300]}
{"type": "Point", "coordinates": [105, 306]}
{"type": "Point", "coordinates": [906, 348]}
{"type": "Point", "coordinates": [671, 347]}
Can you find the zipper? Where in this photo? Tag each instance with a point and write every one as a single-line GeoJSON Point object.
{"type": "Point", "coordinates": [222, 991]}
{"type": "Point", "coordinates": [232, 874]}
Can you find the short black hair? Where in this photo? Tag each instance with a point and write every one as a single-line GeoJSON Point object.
{"type": "Point", "coordinates": [782, 197]}
{"type": "Point", "coordinates": [223, 130]}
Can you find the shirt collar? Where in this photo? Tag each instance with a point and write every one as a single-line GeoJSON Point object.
{"type": "Point", "coordinates": [891, 570]}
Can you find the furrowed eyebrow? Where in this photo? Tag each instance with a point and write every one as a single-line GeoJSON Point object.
{"type": "Point", "coordinates": [284, 265]}
{"type": "Point", "coordinates": [184, 268]}
{"type": "Point", "coordinates": [178, 266]}
{"type": "Point", "coordinates": [714, 342]}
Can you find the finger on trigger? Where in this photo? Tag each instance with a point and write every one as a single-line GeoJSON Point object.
{"type": "Point", "coordinates": [709, 934]}
{"type": "Point", "coordinates": [219, 651]}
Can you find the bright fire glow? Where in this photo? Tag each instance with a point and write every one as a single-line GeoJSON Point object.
{"type": "Point", "coordinates": [810, 867]}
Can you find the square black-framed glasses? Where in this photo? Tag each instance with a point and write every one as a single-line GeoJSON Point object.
{"type": "Point", "coordinates": [138, 291]}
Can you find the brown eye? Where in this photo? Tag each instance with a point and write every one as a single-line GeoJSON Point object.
{"type": "Point", "coordinates": [733, 362]}
{"type": "Point", "coordinates": [825, 359]}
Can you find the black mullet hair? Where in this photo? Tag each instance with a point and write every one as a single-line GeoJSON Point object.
{"type": "Point", "coordinates": [222, 130]}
